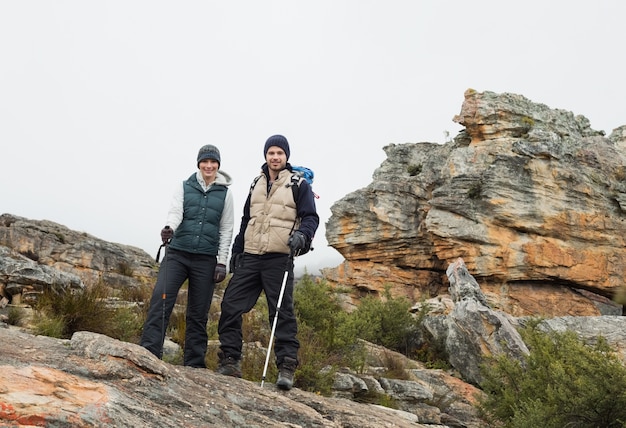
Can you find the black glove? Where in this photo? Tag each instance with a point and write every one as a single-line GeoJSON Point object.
{"type": "Point", "coordinates": [220, 273]}
{"type": "Point", "coordinates": [297, 242]}
{"type": "Point", "coordinates": [166, 234]}
{"type": "Point", "coordinates": [235, 261]}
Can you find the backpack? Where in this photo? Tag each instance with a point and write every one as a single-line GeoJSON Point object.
{"type": "Point", "coordinates": [299, 173]}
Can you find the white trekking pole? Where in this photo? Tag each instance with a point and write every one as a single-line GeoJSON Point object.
{"type": "Point", "coordinates": [280, 300]}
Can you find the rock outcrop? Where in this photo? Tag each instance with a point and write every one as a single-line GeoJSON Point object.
{"type": "Point", "coordinates": [471, 331]}
{"type": "Point", "coordinates": [21, 278]}
{"type": "Point", "coordinates": [39, 254]}
{"type": "Point", "coordinates": [93, 380]}
{"type": "Point", "coordinates": [531, 198]}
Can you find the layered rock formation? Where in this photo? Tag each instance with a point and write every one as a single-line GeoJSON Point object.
{"type": "Point", "coordinates": [39, 254]}
{"type": "Point", "coordinates": [531, 198]}
{"type": "Point", "coordinates": [93, 380]}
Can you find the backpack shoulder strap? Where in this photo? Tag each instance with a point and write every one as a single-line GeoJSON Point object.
{"type": "Point", "coordinates": [296, 179]}
{"type": "Point", "coordinates": [257, 178]}
{"type": "Point", "coordinates": [300, 173]}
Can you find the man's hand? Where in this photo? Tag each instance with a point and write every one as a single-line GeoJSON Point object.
{"type": "Point", "coordinates": [166, 234]}
{"type": "Point", "coordinates": [297, 242]}
{"type": "Point", "coordinates": [220, 273]}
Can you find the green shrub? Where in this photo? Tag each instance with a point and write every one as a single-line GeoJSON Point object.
{"type": "Point", "coordinates": [214, 317]}
{"type": "Point", "coordinates": [319, 308]}
{"type": "Point", "coordinates": [432, 352]}
{"type": "Point", "coordinates": [140, 293]}
{"type": "Point", "coordinates": [78, 309]}
{"type": "Point", "coordinates": [51, 325]}
{"type": "Point", "coordinates": [124, 268]}
{"type": "Point", "coordinates": [317, 365]}
{"type": "Point", "coordinates": [177, 325]}
{"type": "Point", "coordinates": [322, 349]}
{"type": "Point", "coordinates": [16, 316]}
{"type": "Point", "coordinates": [429, 350]}
{"type": "Point", "coordinates": [62, 313]}
{"type": "Point", "coordinates": [126, 324]}
{"type": "Point", "coordinates": [413, 169]}
{"type": "Point", "coordinates": [386, 322]}
{"type": "Point", "coordinates": [561, 383]}
{"type": "Point", "coordinates": [329, 336]}
{"type": "Point", "coordinates": [395, 367]}
{"type": "Point", "coordinates": [373, 397]}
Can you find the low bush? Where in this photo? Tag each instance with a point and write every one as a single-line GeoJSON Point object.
{"type": "Point", "coordinates": [563, 382]}
{"type": "Point", "coordinates": [48, 325]}
{"type": "Point", "coordinates": [62, 313]}
{"type": "Point", "coordinates": [330, 335]}
{"type": "Point", "coordinates": [16, 316]}
{"type": "Point", "coordinates": [386, 322]}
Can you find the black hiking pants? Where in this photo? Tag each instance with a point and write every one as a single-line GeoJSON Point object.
{"type": "Point", "coordinates": [254, 275]}
{"type": "Point", "coordinates": [176, 267]}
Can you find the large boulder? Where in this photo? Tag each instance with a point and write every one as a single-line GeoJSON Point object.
{"type": "Point", "coordinates": [531, 198]}
{"type": "Point", "coordinates": [56, 249]}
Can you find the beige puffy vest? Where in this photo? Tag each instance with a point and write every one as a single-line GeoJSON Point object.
{"type": "Point", "coordinates": [272, 217]}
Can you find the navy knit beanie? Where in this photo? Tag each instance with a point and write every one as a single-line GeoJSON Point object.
{"type": "Point", "coordinates": [209, 152]}
{"type": "Point", "coordinates": [278, 141]}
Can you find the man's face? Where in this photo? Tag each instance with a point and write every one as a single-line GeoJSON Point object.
{"type": "Point", "coordinates": [276, 158]}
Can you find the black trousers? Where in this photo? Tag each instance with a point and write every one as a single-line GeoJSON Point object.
{"type": "Point", "coordinates": [176, 267]}
{"type": "Point", "coordinates": [256, 274]}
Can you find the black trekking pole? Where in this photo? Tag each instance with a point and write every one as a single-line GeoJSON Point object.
{"type": "Point", "coordinates": [164, 293]}
{"type": "Point", "coordinates": [280, 300]}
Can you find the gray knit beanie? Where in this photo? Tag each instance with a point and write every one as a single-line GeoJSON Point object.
{"type": "Point", "coordinates": [209, 152]}
{"type": "Point", "coordinates": [278, 141]}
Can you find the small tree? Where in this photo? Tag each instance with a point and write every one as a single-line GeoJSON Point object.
{"type": "Point", "coordinates": [317, 306]}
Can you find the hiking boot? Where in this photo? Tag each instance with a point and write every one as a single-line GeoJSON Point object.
{"type": "Point", "coordinates": [285, 373]}
{"type": "Point", "coordinates": [228, 366]}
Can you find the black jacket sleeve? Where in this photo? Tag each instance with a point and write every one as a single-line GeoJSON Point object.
{"type": "Point", "coordinates": [306, 210]}
{"type": "Point", "coordinates": [238, 244]}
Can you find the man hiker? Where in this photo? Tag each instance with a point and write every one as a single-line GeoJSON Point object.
{"type": "Point", "coordinates": [197, 236]}
{"type": "Point", "coordinates": [278, 223]}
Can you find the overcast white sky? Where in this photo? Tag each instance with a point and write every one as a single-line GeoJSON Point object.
{"type": "Point", "coordinates": [104, 104]}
